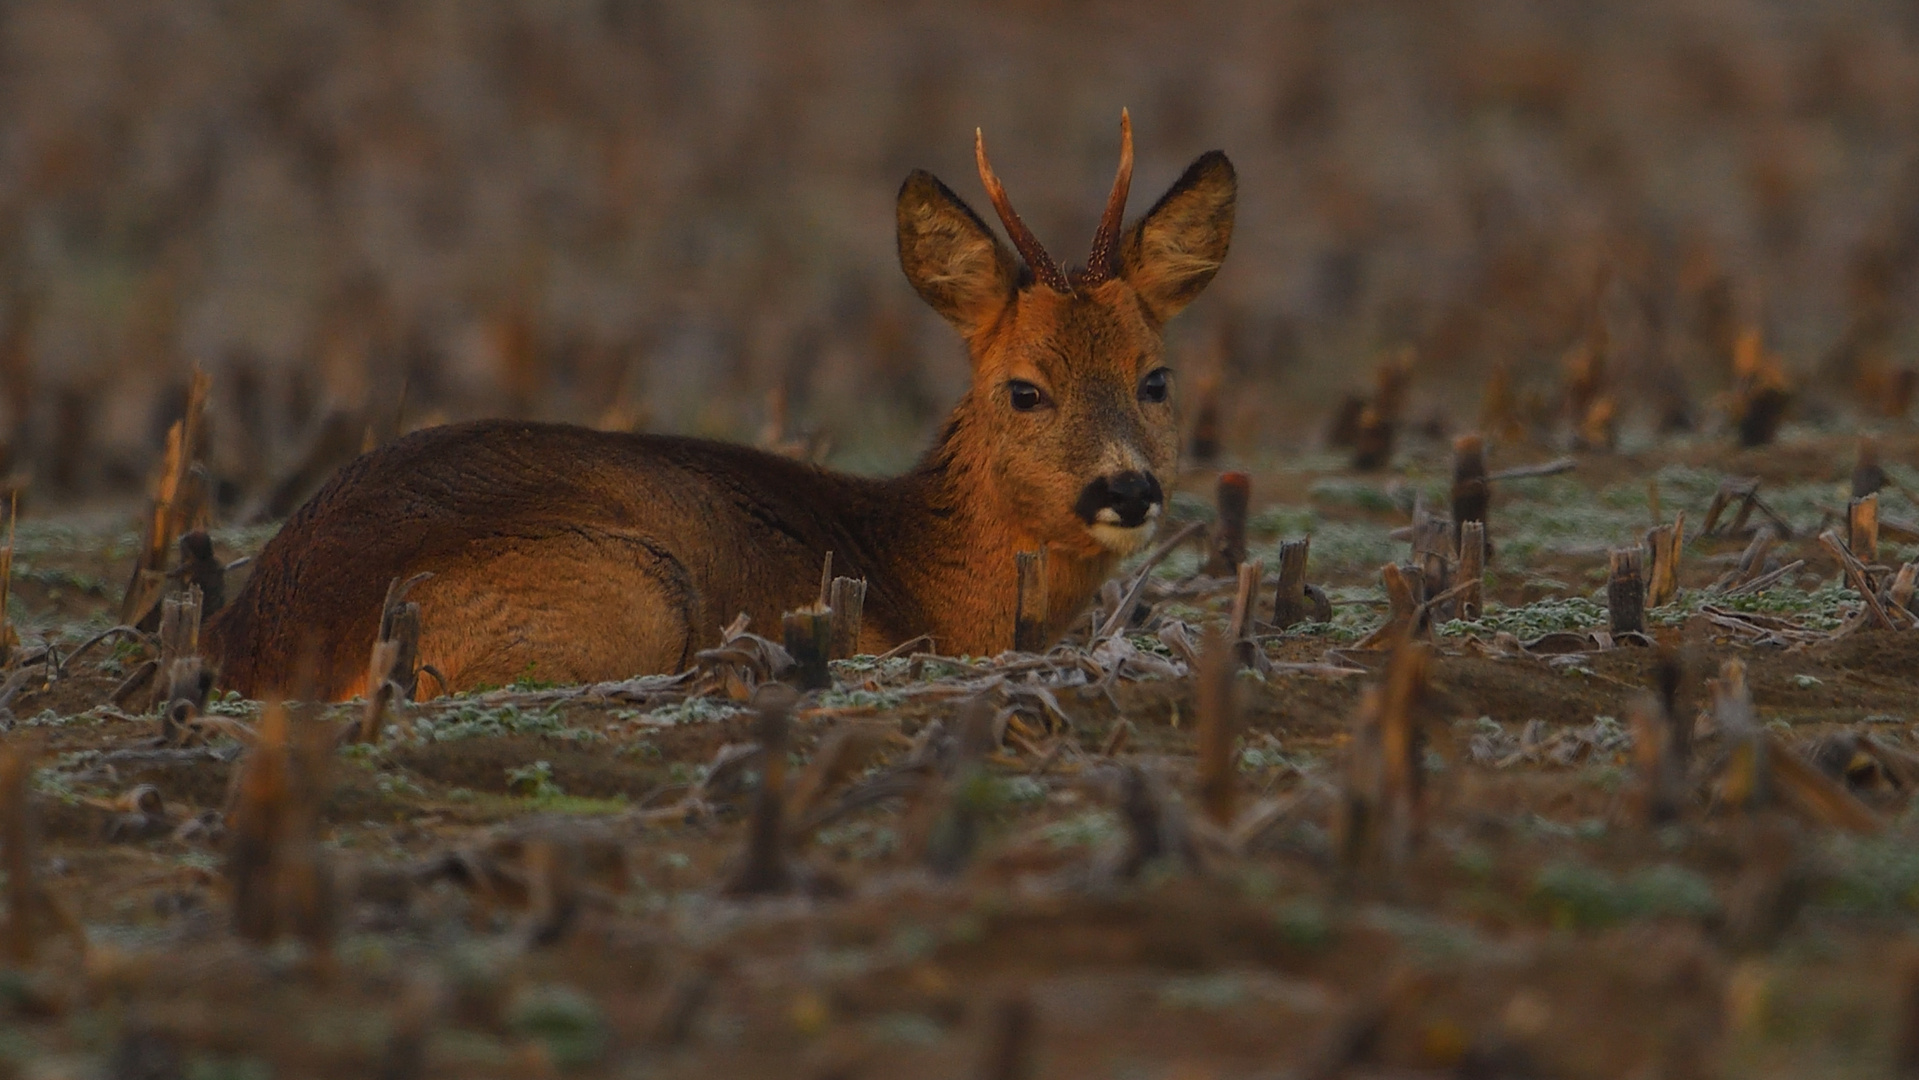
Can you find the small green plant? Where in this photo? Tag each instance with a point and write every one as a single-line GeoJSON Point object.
{"type": "Point", "coordinates": [1357, 494]}
{"type": "Point", "coordinates": [1531, 620]}
{"type": "Point", "coordinates": [1185, 506]}
{"type": "Point", "coordinates": [1090, 829]}
{"type": "Point", "coordinates": [877, 700]}
{"type": "Point", "coordinates": [566, 1021]}
{"type": "Point", "coordinates": [473, 721]}
{"type": "Point", "coordinates": [1577, 896]}
{"type": "Point", "coordinates": [1877, 875]}
{"type": "Point", "coordinates": [1210, 993]}
{"type": "Point", "coordinates": [527, 681]}
{"type": "Point", "coordinates": [1285, 521]}
{"type": "Point", "coordinates": [221, 1068]}
{"type": "Point", "coordinates": [534, 781]}
{"type": "Point", "coordinates": [694, 710]}
{"type": "Point", "coordinates": [1303, 922]}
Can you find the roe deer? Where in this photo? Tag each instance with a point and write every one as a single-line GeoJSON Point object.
{"type": "Point", "coordinates": [572, 555]}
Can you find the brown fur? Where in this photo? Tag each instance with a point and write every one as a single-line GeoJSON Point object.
{"type": "Point", "coordinates": [566, 554]}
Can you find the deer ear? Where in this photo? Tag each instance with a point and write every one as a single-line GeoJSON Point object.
{"type": "Point", "coordinates": [951, 257]}
{"type": "Point", "coordinates": [1177, 247]}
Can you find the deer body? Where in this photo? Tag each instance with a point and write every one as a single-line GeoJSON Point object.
{"type": "Point", "coordinates": [567, 555]}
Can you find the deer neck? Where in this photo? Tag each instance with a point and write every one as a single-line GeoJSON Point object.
{"type": "Point", "coordinates": [953, 545]}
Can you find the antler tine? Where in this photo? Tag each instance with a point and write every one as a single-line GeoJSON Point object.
{"type": "Point", "coordinates": [1100, 265]}
{"type": "Point", "coordinates": [1042, 264]}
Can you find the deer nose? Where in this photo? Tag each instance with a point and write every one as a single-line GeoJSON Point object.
{"type": "Point", "coordinates": [1125, 499]}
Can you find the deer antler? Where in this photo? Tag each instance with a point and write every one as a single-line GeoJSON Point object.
{"type": "Point", "coordinates": [1101, 265]}
{"type": "Point", "coordinates": [1042, 264]}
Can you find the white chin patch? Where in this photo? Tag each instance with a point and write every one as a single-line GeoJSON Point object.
{"type": "Point", "coordinates": [1118, 538]}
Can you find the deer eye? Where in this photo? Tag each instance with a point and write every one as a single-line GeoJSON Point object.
{"type": "Point", "coordinates": [1154, 386]}
{"type": "Point", "coordinates": [1024, 395]}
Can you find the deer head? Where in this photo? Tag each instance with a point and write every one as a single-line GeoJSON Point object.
{"type": "Point", "coordinates": [1069, 417]}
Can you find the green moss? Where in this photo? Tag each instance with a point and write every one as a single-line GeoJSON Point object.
{"type": "Point", "coordinates": [528, 681]}
{"type": "Point", "coordinates": [1304, 923]}
{"type": "Point", "coordinates": [1209, 993]}
{"type": "Point", "coordinates": [1285, 521]}
{"type": "Point", "coordinates": [1577, 896]}
{"type": "Point", "coordinates": [474, 721]}
{"type": "Point", "coordinates": [1360, 495]}
{"type": "Point", "coordinates": [1185, 507]}
{"type": "Point", "coordinates": [1089, 829]}
{"type": "Point", "coordinates": [565, 1020]}
{"type": "Point", "coordinates": [694, 710]}
{"type": "Point", "coordinates": [1346, 545]}
{"type": "Point", "coordinates": [534, 781]}
{"type": "Point", "coordinates": [878, 700]}
{"type": "Point", "coordinates": [1824, 608]}
{"type": "Point", "coordinates": [1875, 875]}
{"type": "Point", "coordinates": [1531, 620]}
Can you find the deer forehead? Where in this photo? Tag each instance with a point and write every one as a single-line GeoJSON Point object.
{"type": "Point", "coordinates": [1077, 340]}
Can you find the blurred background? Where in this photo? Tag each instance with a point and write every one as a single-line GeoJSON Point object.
{"type": "Point", "coordinates": [362, 216]}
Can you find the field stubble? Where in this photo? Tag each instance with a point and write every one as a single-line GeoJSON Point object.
{"type": "Point", "coordinates": [1003, 867]}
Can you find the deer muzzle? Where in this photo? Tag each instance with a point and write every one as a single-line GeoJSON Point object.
{"type": "Point", "coordinates": [1127, 500]}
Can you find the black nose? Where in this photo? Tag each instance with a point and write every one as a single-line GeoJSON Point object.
{"type": "Point", "coordinates": [1129, 495]}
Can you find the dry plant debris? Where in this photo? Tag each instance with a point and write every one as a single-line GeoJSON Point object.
{"type": "Point", "coordinates": [1471, 782]}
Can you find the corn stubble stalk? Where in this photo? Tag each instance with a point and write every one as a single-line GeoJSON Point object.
{"type": "Point", "coordinates": [1900, 592]}
{"type": "Point", "coordinates": [9, 639]}
{"type": "Point", "coordinates": [1751, 562]}
{"type": "Point", "coordinates": [808, 636]}
{"type": "Point", "coordinates": [282, 883]}
{"type": "Point", "coordinates": [1380, 814]}
{"type": "Point", "coordinates": [1402, 598]}
{"type": "Point", "coordinates": [1472, 569]}
{"type": "Point", "coordinates": [200, 569]}
{"type": "Point", "coordinates": [1292, 602]}
{"type": "Point", "coordinates": [1664, 545]}
{"type": "Point", "coordinates": [847, 598]}
{"type": "Point", "coordinates": [1760, 773]}
{"type": "Point", "coordinates": [1862, 528]}
{"type": "Point", "coordinates": [1436, 557]}
{"type": "Point", "coordinates": [32, 911]}
{"type": "Point", "coordinates": [1868, 476]}
{"type": "Point", "coordinates": [1009, 1044]}
{"type": "Point", "coordinates": [1662, 747]}
{"type": "Point", "coordinates": [1743, 778]}
{"type": "Point", "coordinates": [1860, 580]}
{"type": "Point", "coordinates": [179, 505]}
{"type": "Point", "coordinates": [1239, 625]}
{"type": "Point", "coordinates": [1761, 393]}
{"type": "Point", "coordinates": [1626, 593]}
{"type": "Point", "coordinates": [1205, 443]}
{"type": "Point", "coordinates": [951, 810]}
{"type": "Point", "coordinates": [765, 870]}
{"type": "Point", "coordinates": [1472, 493]}
{"type": "Point", "coordinates": [1741, 495]}
{"type": "Point", "coordinates": [1905, 1062]}
{"type": "Point", "coordinates": [1374, 423]}
{"type": "Point", "coordinates": [181, 682]}
{"type": "Point", "coordinates": [841, 757]}
{"type": "Point", "coordinates": [1589, 410]}
{"type": "Point", "coordinates": [392, 675]}
{"type": "Point", "coordinates": [1029, 618]}
{"type": "Point", "coordinates": [1232, 497]}
{"type": "Point", "coordinates": [1218, 729]}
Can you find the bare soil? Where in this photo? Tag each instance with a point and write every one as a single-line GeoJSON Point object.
{"type": "Point", "coordinates": [1539, 930]}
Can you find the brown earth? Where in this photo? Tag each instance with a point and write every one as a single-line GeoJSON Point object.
{"type": "Point", "coordinates": [1539, 930]}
